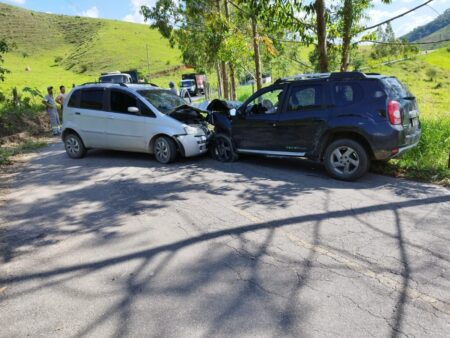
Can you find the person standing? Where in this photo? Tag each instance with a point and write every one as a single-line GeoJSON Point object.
{"type": "Point", "coordinates": [52, 111]}
{"type": "Point", "coordinates": [172, 88]}
{"type": "Point", "coordinates": [62, 95]}
{"type": "Point", "coordinates": [60, 100]}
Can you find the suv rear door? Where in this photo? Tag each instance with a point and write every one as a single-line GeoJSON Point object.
{"type": "Point", "coordinates": [303, 117]}
{"type": "Point", "coordinates": [89, 116]}
{"type": "Point", "coordinates": [408, 108]}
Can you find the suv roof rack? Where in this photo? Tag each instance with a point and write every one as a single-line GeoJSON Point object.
{"type": "Point", "coordinates": [111, 83]}
{"type": "Point", "coordinates": [332, 76]}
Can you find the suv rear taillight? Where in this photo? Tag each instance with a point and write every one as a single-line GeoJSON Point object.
{"type": "Point", "coordinates": [395, 117]}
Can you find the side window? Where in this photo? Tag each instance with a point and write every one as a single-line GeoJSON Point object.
{"type": "Point", "coordinates": [266, 103]}
{"type": "Point", "coordinates": [92, 99]}
{"type": "Point", "coordinates": [346, 94]}
{"type": "Point", "coordinates": [120, 102]}
{"type": "Point", "coordinates": [73, 101]}
{"type": "Point", "coordinates": [305, 97]}
{"type": "Point", "coordinates": [145, 111]}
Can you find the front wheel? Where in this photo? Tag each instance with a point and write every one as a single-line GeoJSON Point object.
{"type": "Point", "coordinates": [165, 150]}
{"type": "Point", "coordinates": [74, 146]}
{"type": "Point", "coordinates": [346, 160]}
{"type": "Point", "coordinates": [223, 149]}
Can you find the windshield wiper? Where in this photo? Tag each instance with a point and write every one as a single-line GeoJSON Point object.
{"type": "Point", "coordinates": [409, 97]}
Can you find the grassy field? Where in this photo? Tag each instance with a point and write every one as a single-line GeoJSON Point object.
{"type": "Point", "coordinates": [56, 49]}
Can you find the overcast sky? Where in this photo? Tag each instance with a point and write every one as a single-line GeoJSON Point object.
{"type": "Point", "coordinates": [128, 10]}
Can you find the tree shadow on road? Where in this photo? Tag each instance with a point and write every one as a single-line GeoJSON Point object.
{"type": "Point", "coordinates": [111, 197]}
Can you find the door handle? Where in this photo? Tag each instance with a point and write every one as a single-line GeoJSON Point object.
{"type": "Point", "coordinates": [77, 113]}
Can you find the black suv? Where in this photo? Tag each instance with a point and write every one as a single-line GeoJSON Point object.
{"type": "Point", "coordinates": [341, 119]}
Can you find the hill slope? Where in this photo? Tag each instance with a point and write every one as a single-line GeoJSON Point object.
{"type": "Point", "coordinates": [76, 49]}
{"type": "Point", "coordinates": [418, 33]}
{"type": "Point", "coordinates": [441, 34]}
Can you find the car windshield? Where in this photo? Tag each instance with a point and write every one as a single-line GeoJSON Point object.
{"type": "Point", "coordinates": [187, 83]}
{"type": "Point", "coordinates": [163, 100]}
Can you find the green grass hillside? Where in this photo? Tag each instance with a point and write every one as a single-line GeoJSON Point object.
{"type": "Point", "coordinates": [430, 159]}
{"type": "Point", "coordinates": [58, 49]}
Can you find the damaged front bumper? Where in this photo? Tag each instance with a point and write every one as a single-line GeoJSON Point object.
{"type": "Point", "coordinates": [193, 145]}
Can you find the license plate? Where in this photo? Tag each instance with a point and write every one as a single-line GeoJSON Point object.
{"type": "Point", "coordinates": [414, 122]}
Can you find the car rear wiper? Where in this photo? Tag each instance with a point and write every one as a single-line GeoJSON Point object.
{"type": "Point", "coordinates": [409, 97]}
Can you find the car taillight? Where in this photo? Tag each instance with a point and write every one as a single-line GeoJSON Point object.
{"type": "Point", "coordinates": [395, 117]}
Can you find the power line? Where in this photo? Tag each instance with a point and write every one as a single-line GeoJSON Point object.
{"type": "Point", "coordinates": [396, 17]}
{"type": "Point", "coordinates": [405, 43]}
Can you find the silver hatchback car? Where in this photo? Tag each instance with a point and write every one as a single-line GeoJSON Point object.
{"type": "Point", "coordinates": [132, 117]}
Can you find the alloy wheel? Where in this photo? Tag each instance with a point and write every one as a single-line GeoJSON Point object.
{"type": "Point", "coordinates": [162, 150]}
{"type": "Point", "coordinates": [223, 150]}
{"type": "Point", "coordinates": [345, 160]}
{"type": "Point", "coordinates": [73, 146]}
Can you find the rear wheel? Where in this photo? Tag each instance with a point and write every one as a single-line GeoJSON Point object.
{"type": "Point", "coordinates": [346, 160]}
{"type": "Point", "coordinates": [165, 150]}
{"type": "Point", "coordinates": [223, 149]}
{"type": "Point", "coordinates": [74, 146]}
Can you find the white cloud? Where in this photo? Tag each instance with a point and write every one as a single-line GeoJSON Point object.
{"type": "Point", "coordinates": [135, 7]}
{"type": "Point", "coordinates": [401, 26]}
{"type": "Point", "coordinates": [90, 13]}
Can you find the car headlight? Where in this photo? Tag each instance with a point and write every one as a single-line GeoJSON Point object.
{"type": "Point", "coordinates": [191, 130]}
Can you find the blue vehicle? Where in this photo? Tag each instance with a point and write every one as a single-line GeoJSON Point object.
{"type": "Point", "coordinates": [343, 120]}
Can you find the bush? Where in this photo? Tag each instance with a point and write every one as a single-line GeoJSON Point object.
{"type": "Point", "coordinates": [431, 73]}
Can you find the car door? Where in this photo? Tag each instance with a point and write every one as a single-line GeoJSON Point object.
{"type": "Point", "coordinates": [128, 130]}
{"type": "Point", "coordinates": [255, 126]}
{"type": "Point", "coordinates": [90, 117]}
{"type": "Point", "coordinates": [304, 117]}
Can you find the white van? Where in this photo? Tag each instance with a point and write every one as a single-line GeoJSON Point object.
{"type": "Point", "coordinates": [139, 118]}
{"type": "Point", "coordinates": [115, 77]}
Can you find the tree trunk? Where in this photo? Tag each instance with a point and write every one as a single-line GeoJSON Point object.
{"type": "Point", "coordinates": [321, 28]}
{"type": "Point", "coordinates": [256, 56]}
{"type": "Point", "coordinates": [346, 36]}
{"type": "Point", "coordinates": [219, 81]}
{"type": "Point", "coordinates": [232, 75]}
{"type": "Point", "coordinates": [223, 68]}
{"type": "Point", "coordinates": [233, 83]}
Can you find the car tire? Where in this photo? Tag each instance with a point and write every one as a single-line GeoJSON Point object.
{"type": "Point", "coordinates": [74, 146]}
{"type": "Point", "coordinates": [346, 160]}
{"type": "Point", "coordinates": [165, 150]}
{"type": "Point", "coordinates": [223, 149]}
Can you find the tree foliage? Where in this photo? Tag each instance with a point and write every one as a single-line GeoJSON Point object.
{"type": "Point", "coordinates": [4, 48]}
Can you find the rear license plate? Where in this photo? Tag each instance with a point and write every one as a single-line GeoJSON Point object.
{"type": "Point", "coordinates": [414, 122]}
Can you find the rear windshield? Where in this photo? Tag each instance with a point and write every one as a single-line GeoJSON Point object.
{"type": "Point", "coordinates": [114, 79]}
{"type": "Point", "coordinates": [187, 83]}
{"type": "Point", "coordinates": [395, 88]}
{"type": "Point", "coordinates": [163, 100]}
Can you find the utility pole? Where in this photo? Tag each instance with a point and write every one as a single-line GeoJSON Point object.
{"type": "Point", "coordinates": [148, 62]}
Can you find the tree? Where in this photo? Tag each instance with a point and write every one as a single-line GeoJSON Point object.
{"type": "Point", "coordinates": [4, 48]}
{"type": "Point", "coordinates": [350, 16]}
{"type": "Point", "coordinates": [198, 29]}
{"type": "Point", "coordinates": [321, 30]}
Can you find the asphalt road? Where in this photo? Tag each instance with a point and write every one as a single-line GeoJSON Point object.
{"type": "Point", "coordinates": [116, 244]}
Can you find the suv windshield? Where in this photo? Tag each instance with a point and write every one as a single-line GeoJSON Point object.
{"type": "Point", "coordinates": [163, 100]}
{"type": "Point", "coordinates": [187, 83]}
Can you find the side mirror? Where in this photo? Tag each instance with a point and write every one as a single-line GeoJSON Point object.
{"type": "Point", "coordinates": [133, 110]}
{"type": "Point", "coordinates": [233, 112]}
